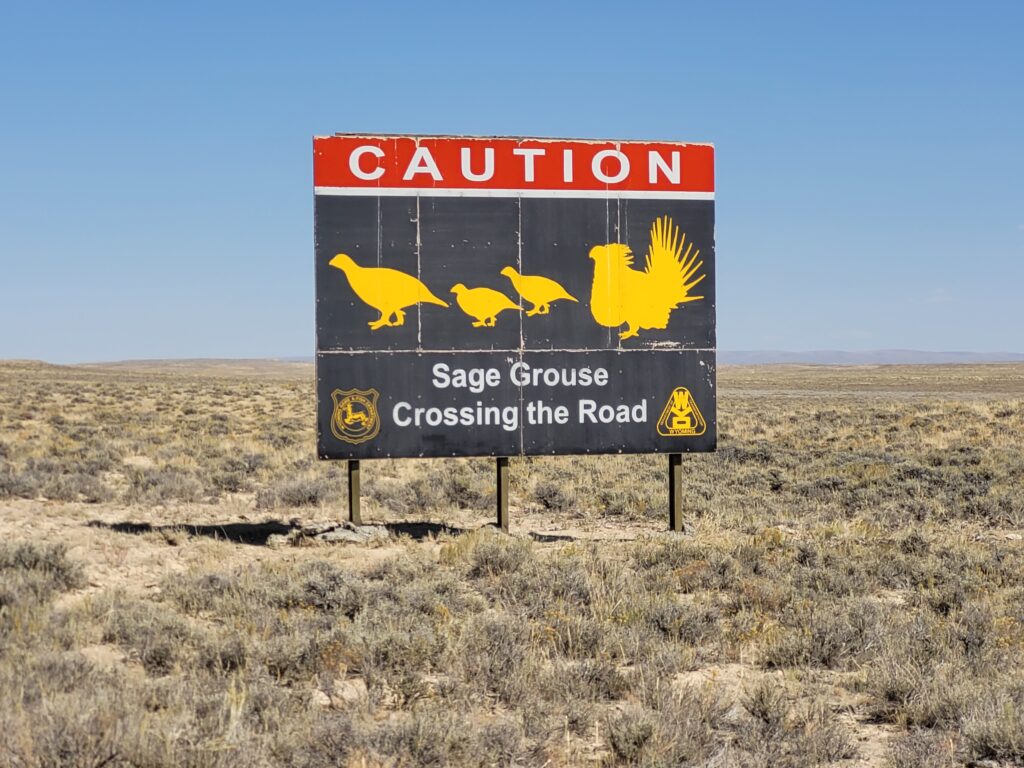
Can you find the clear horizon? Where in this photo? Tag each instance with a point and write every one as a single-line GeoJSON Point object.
{"type": "Point", "coordinates": [725, 357]}
{"type": "Point", "coordinates": [156, 193]}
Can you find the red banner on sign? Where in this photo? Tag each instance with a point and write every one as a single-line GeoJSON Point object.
{"type": "Point", "coordinates": [503, 164]}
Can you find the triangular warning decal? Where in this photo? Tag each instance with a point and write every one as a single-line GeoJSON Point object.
{"type": "Point", "coordinates": [681, 417]}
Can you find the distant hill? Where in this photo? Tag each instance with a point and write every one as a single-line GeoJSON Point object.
{"type": "Point", "coordinates": [869, 357]}
{"type": "Point", "coordinates": [276, 366]}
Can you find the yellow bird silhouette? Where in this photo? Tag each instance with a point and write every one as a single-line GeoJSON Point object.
{"type": "Point", "coordinates": [538, 290]}
{"type": "Point", "coordinates": [483, 304]}
{"type": "Point", "coordinates": [643, 299]}
{"type": "Point", "coordinates": [386, 290]}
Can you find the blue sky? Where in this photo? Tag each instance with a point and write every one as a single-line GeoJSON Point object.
{"type": "Point", "coordinates": [155, 162]}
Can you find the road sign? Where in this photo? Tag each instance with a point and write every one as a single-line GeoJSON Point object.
{"type": "Point", "coordinates": [501, 296]}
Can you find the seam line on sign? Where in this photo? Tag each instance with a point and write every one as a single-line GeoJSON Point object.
{"type": "Point", "coordinates": [618, 232]}
{"type": "Point", "coordinates": [522, 328]}
{"type": "Point", "coordinates": [380, 234]}
{"type": "Point", "coordinates": [607, 239]}
{"type": "Point", "coordinates": [462, 192]}
{"type": "Point", "coordinates": [419, 276]}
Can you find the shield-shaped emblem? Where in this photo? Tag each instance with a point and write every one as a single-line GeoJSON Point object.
{"type": "Point", "coordinates": [355, 418]}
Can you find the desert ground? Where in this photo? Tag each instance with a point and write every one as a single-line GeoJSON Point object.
{"type": "Point", "coordinates": [176, 587]}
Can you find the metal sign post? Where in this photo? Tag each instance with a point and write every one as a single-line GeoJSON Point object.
{"type": "Point", "coordinates": [354, 514]}
{"type": "Point", "coordinates": [501, 464]}
{"type": "Point", "coordinates": [675, 491]}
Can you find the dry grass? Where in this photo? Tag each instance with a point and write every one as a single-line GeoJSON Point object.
{"type": "Point", "coordinates": [851, 593]}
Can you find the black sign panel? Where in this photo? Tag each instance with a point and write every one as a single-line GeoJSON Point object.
{"type": "Point", "coordinates": [509, 318]}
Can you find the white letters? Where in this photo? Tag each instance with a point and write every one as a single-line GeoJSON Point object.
{"type": "Point", "coordinates": [441, 377]}
{"type": "Point", "coordinates": [599, 173]}
{"type": "Point", "coordinates": [467, 170]}
{"type": "Point", "coordinates": [656, 162]}
{"type": "Point", "coordinates": [522, 375]}
{"type": "Point", "coordinates": [528, 156]}
{"type": "Point", "coordinates": [479, 160]}
{"type": "Point", "coordinates": [554, 382]}
{"type": "Point", "coordinates": [591, 413]}
{"type": "Point", "coordinates": [356, 156]}
{"type": "Point", "coordinates": [422, 162]}
{"type": "Point", "coordinates": [402, 421]}
{"type": "Point", "coordinates": [476, 380]}
{"type": "Point", "coordinates": [405, 415]}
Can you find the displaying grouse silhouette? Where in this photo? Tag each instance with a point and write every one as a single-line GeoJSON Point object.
{"type": "Point", "coordinates": [538, 290]}
{"type": "Point", "coordinates": [386, 290]}
{"type": "Point", "coordinates": [482, 304]}
{"type": "Point", "coordinates": [643, 300]}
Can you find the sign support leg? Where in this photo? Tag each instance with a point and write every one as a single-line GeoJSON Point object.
{"type": "Point", "coordinates": [501, 463]}
{"type": "Point", "coordinates": [354, 515]}
{"type": "Point", "coordinates": [675, 491]}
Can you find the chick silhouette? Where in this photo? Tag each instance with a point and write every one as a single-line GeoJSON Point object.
{"type": "Point", "coordinates": [386, 290]}
{"type": "Point", "coordinates": [538, 290]}
{"type": "Point", "coordinates": [482, 304]}
{"type": "Point", "coordinates": [643, 300]}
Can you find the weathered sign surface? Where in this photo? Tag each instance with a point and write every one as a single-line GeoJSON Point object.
{"type": "Point", "coordinates": [499, 296]}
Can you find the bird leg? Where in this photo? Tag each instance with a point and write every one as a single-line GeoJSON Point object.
{"type": "Point", "coordinates": [535, 310]}
{"type": "Point", "coordinates": [545, 308]}
{"type": "Point", "coordinates": [629, 333]}
{"type": "Point", "coordinates": [380, 322]}
{"type": "Point", "coordinates": [493, 321]}
{"type": "Point", "coordinates": [399, 317]}
{"type": "Point", "coordinates": [480, 323]}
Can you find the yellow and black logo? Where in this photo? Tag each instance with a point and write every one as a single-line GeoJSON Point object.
{"type": "Point", "coordinates": [681, 417]}
{"type": "Point", "coordinates": [355, 418]}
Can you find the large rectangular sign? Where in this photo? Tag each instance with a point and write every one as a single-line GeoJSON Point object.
{"type": "Point", "coordinates": [500, 296]}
